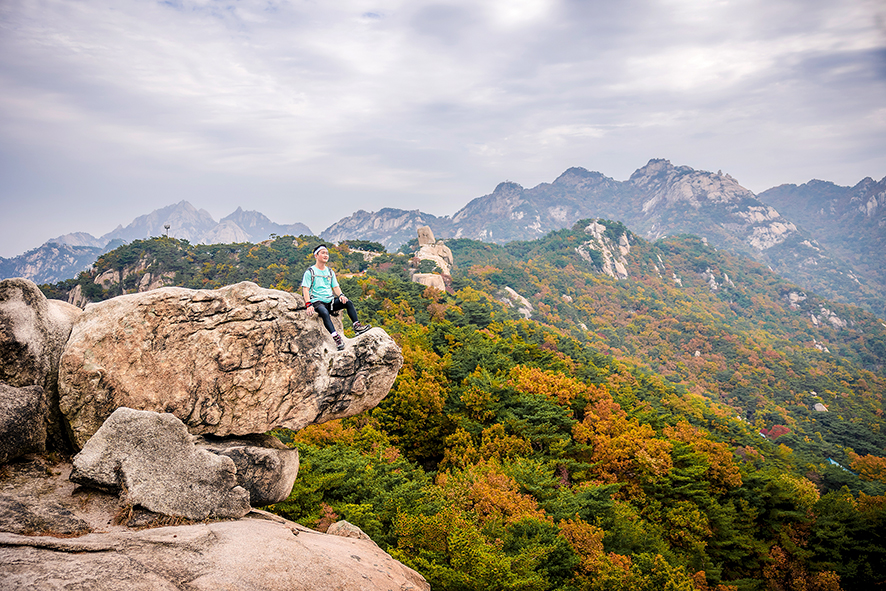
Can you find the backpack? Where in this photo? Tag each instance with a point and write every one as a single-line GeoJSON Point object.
{"type": "Point", "coordinates": [313, 276]}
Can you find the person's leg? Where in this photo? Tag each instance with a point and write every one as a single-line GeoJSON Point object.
{"type": "Point", "coordinates": [359, 327]}
{"type": "Point", "coordinates": [352, 311]}
{"type": "Point", "coordinates": [323, 312]}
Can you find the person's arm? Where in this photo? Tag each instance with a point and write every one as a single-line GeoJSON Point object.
{"type": "Point", "coordinates": [305, 292]}
{"type": "Point", "coordinates": [336, 291]}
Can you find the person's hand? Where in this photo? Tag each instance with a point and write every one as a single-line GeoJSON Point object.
{"type": "Point", "coordinates": [310, 311]}
{"type": "Point", "coordinates": [343, 299]}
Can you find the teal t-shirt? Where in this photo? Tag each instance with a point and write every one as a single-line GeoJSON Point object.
{"type": "Point", "coordinates": [324, 281]}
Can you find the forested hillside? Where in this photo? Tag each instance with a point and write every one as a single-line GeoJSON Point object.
{"type": "Point", "coordinates": [689, 421]}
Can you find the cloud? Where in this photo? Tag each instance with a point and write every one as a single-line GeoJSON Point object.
{"type": "Point", "coordinates": [120, 108]}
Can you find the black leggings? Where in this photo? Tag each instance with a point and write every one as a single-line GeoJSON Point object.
{"type": "Point", "coordinates": [323, 309]}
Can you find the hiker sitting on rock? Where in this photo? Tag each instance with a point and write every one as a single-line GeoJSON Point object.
{"type": "Point", "coordinates": [323, 295]}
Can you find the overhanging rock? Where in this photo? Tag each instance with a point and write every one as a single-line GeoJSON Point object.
{"type": "Point", "coordinates": [233, 361]}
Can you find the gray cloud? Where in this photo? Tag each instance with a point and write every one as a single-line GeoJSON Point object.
{"type": "Point", "coordinates": [109, 109]}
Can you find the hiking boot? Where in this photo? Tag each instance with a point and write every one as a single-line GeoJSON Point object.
{"type": "Point", "coordinates": [360, 328]}
{"type": "Point", "coordinates": [338, 341]}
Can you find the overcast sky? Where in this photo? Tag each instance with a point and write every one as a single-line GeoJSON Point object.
{"type": "Point", "coordinates": [310, 110]}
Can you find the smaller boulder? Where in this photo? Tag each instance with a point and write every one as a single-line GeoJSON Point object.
{"type": "Point", "coordinates": [151, 460]}
{"type": "Point", "coordinates": [266, 468]}
{"type": "Point", "coordinates": [22, 421]}
{"type": "Point", "coordinates": [430, 280]}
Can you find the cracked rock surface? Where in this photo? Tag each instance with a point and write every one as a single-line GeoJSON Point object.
{"type": "Point", "coordinates": [233, 361]}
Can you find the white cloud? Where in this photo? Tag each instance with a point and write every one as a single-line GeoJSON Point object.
{"type": "Point", "coordinates": [397, 101]}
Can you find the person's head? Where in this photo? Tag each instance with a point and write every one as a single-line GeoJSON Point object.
{"type": "Point", "coordinates": [321, 252]}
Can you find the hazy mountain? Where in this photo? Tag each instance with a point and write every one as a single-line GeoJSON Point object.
{"type": "Point", "coordinates": [50, 262]}
{"type": "Point", "coordinates": [77, 239]}
{"type": "Point", "coordinates": [390, 227]}
{"type": "Point", "coordinates": [258, 227]}
{"type": "Point", "coordinates": [184, 220]}
{"type": "Point", "coordinates": [64, 256]}
{"type": "Point", "coordinates": [849, 221]}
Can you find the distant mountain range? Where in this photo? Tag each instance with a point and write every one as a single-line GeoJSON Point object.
{"type": "Point", "coordinates": [822, 236]}
{"type": "Point", "coordinates": [191, 224]}
{"type": "Point", "coordinates": [63, 257]}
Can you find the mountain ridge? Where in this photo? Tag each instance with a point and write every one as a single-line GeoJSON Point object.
{"type": "Point", "coordinates": [658, 200]}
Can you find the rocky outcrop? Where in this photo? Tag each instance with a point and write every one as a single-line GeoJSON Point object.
{"type": "Point", "coordinates": [33, 333]}
{"type": "Point", "coordinates": [433, 250]}
{"type": "Point", "coordinates": [79, 538]}
{"type": "Point", "coordinates": [150, 459]}
{"type": "Point", "coordinates": [233, 361]}
{"type": "Point", "coordinates": [611, 255]}
{"type": "Point", "coordinates": [266, 468]}
{"type": "Point", "coordinates": [246, 555]}
{"type": "Point", "coordinates": [514, 300]}
{"type": "Point", "coordinates": [30, 515]}
{"type": "Point", "coordinates": [23, 413]}
{"type": "Point", "coordinates": [434, 280]}
{"type": "Point", "coordinates": [437, 253]}
{"type": "Point", "coordinates": [347, 530]}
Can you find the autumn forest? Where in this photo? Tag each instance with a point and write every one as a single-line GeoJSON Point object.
{"type": "Point", "coordinates": [697, 423]}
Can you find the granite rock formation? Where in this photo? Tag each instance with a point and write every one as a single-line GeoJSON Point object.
{"type": "Point", "coordinates": [433, 250]}
{"type": "Point", "coordinates": [55, 535]}
{"type": "Point", "coordinates": [233, 361]}
{"type": "Point", "coordinates": [266, 468]}
{"type": "Point", "coordinates": [437, 253]}
{"type": "Point", "coordinates": [150, 459]}
{"type": "Point", "coordinates": [33, 333]}
{"type": "Point", "coordinates": [23, 414]}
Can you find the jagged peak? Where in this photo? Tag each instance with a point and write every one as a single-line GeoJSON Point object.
{"type": "Point", "coordinates": [241, 214]}
{"type": "Point", "coordinates": [654, 166]}
{"type": "Point", "coordinates": [578, 172]}
{"type": "Point", "coordinates": [507, 185]}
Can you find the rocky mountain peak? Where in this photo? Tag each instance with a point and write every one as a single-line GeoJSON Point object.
{"type": "Point", "coordinates": [666, 184]}
{"type": "Point", "coordinates": [247, 219]}
{"type": "Point", "coordinates": [653, 167]}
{"type": "Point", "coordinates": [507, 187]}
{"type": "Point", "coordinates": [184, 220]}
{"type": "Point", "coordinates": [582, 178]}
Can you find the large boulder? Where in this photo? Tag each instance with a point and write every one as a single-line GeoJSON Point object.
{"type": "Point", "coordinates": [237, 360]}
{"type": "Point", "coordinates": [151, 460]}
{"type": "Point", "coordinates": [22, 421]}
{"type": "Point", "coordinates": [266, 468]}
{"type": "Point", "coordinates": [33, 333]}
